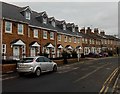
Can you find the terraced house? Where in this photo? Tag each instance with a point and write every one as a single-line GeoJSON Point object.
{"type": "Point", "coordinates": [28, 33]}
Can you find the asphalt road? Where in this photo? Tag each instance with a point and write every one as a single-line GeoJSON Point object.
{"type": "Point", "coordinates": [86, 76]}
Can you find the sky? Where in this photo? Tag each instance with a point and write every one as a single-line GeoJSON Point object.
{"type": "Point", "coordinates": [102, 15]}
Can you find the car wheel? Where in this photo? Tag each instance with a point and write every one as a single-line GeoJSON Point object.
{"type": "Point", "coordinates": [55, 68]}
{"type": "Point", "coordinates": [38, 72]}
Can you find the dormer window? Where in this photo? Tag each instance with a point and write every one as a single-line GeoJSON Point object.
{"type": "Point", "coordinates": [73, 29]}
{"type": "Point", "coordinates": [27, 15]}
{"type": "Point", "coordinates": [45, 20]}
{"type": "Point", "coordinates": [64, 27]}
{"type": "Point", "coordinates": [53, 23]}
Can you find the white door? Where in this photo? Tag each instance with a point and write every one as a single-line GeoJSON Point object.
{"type": "Point", "coordinates": [58, 53]}
{"type": "Point", "coordinates": [32, 51]}
{"type": "Point", "coordinates": [16, 52]}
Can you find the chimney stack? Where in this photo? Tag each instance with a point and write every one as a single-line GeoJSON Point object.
{"type": "Point", "coordinates": [102, 33]}
{"type": "Point", "coordinates": [77, 28]}
{"type": "Point", "coordinates": [88, 31]}
{"type": "Point", "coordinates": [96, 31]}
{"type": "Point", "coordinates": [82, 30]}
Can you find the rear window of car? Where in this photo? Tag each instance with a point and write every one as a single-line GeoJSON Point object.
{"type": "Point", "coordinates": [26, 60]}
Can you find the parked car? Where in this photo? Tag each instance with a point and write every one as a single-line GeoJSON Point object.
{"type": "Point", "coordinates": [104, 54]}
{"type": "Point", "coordinates": [93, 55]}
{"type": "Point", "coordinates": [35, 65]}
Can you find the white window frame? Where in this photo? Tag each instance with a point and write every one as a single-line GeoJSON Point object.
{"type": "Point", "coordinates": [59, 37]}
{"type": "Point", "coordinates": [65, 39]}
{"type": "Point", "coordinates": [52, 35]}
{"type": "Point", "coordinates": [44, 20]}
{"type": "Point", "coordinates": [35, 33]}
{"type": "Point", "coordinates": [73, 29]}
{"type": "Point", "coordinates": [53, 50]}
{"type": "Point", "coordinates": [64, 27]}
{"type": "Point", "coordinates": [53, 23]}
{"type": "Point", "coordinates": [28, 32]}
{"type": "Point", "coordinates": [86, 41]}
{"type": "Point", "coordinates": [38, 51]}
{"type": "Point", "coordinates": [44, 34]}
{"type": "Point", "coordinates": [83, 40]}
{"type": "Point", "coordinates": [19, 29]}
{"type": "Point", "coordinates": [74, 39]}
{"type": "Point", "coordinates": [70, 39]}
{"type": "Point", "coordinates": [10, 31]}
{"type": "Point", "coordinates": [27, 15]}
{"type": "Point", "coordinates": [93, 42]}
{"type": "Point", "coordinates": [23, 49]}
{"type": "Point", "coordinates": [4, 48]}
{"type": "Point", "coordinates": [4, 52]}
{"type": "Point", "coordinates": [90, 41]}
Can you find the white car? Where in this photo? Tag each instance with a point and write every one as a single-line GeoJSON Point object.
{"type": "Point", "coordinates": [35, 65]}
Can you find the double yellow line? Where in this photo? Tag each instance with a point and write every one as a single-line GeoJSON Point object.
{"type": "Point", "coordinates": [106, 84]}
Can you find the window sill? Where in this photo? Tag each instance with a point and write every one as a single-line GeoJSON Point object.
{"type": "Point", "coordinates": [44, 38]}
{"type": "Point", "coordinates": [20, 34]}
{"type": "Point", "coordinates": [36, 37]}
{"type": "Point", "coordinates": [51, 39]}
{"type": "Point", "coordinates": [8, 32]}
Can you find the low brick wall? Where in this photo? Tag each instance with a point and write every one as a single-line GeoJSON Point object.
{"type": "Point", "coordinates": [59, 62]}
{"type": "Point", "coordinates": [8, 68]}
{"type": "Point", "coordinates": [73, 60]}
{"type": "Point", "coordinates": [12, 67]}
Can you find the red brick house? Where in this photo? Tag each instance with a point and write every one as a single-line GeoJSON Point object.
{"type": "Point", "coordinates": [23, 34]}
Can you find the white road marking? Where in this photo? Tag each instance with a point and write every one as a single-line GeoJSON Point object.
{"type": "Point", "coordinates": [64, 71]}
{"type": "Point", "coordinates": [85, 76]}
{"type": "Point", "coordinates": [108, 68]}
{"type": "Point", "coordinates": [9, 78]}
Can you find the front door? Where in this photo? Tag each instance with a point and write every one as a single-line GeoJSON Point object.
{"type": "Point", "coordinates": [58, 53]}
{"type": "Point", "coordinates": [16, 52]}
{"type": "Point", "coordinates": [32, 51]}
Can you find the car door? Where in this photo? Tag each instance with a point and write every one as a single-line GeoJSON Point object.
{"type": "Point", "coordinates": [49, 64]}
{"type": "Point", "coordinates": [42, 64]}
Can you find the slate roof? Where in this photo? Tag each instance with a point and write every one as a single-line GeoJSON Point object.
{"type": "Point", "coordinates": [112, 37]}
{"type": "Point", "coordinates": [14, 12]}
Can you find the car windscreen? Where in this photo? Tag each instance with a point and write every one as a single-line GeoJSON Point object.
{"type": "Point", "coordinates": [26, 60]}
